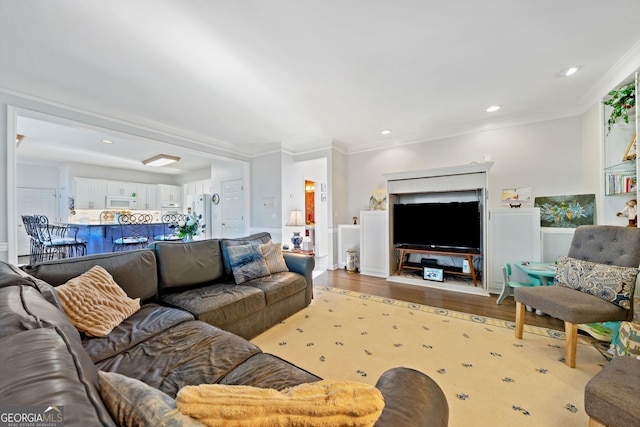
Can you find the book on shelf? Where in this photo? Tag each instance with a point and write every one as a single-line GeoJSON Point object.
{"type": "Point", "coordinates": [620, 183]}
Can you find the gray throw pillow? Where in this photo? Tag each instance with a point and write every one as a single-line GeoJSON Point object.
{"type": "Point", "coordinates": [134, 403]}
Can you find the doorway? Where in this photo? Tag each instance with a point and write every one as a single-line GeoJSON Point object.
{"type": "Point", "coordinates": [309, 214]}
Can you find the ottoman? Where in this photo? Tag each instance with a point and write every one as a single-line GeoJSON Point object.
{"type": "Point", "coordinates": [611, 397]}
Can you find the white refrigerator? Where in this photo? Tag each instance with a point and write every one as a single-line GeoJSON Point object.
{"type": "Point", "coordinates": [201, 204]}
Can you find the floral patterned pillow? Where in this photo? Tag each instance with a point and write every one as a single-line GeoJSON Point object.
{"type": "Point", "coordinates": [609, 282]}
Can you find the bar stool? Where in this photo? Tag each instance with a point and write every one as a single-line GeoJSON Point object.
{"type": "Point", "coordinates": [133, 232]}
{"type": "Point", "coordinates": [55, 242]}
{"type": "Point", "coordinates": [169, 233]}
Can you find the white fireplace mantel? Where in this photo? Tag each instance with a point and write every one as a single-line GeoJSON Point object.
{"type": "Point", "coordinates": [449, 179]}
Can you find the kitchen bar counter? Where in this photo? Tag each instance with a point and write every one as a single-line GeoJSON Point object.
{"type": "Point", "coordinates": [99, 235]}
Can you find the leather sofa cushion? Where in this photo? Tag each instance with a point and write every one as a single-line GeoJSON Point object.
{"type": "Point", "coordinates": [278, 286]}
{"type": "Point", "coordinates": [24, 307]}
{"type": "Point", "coordinates": [268, 371]}
{"type": "Point", "coordinates": [9, 276]}
{"type": "Point", "coordinates": [149, 321]}
{"type": "Point", "coordinates": [187, 264]}
{"type": "Point", "coordinates": [220, 304]}
{"type": "Point", "coordinates": [43, 367]}
{"type": "Point", "coordinates": [134, 271]}
{"type": "Point", "coordinates": [189, 353]}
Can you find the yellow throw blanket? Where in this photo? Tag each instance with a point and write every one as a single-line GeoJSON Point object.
{"type": "Point", "coordinates": [326, 403]}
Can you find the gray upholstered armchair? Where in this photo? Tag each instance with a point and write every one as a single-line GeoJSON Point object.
{"type": "Point", "coordinates": [611, 245]}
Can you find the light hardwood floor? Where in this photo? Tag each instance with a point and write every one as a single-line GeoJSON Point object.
{"type": "Point", "coordinates": [474, 304]}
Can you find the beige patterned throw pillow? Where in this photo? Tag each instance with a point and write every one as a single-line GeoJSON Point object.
{"type": "Point", "coordinates": [95, 303]}
{"type": "Point", "coordinates": [272, 253]}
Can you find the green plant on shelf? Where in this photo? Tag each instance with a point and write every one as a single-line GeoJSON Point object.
{"type": "Point", "coordinates": [621, 101]}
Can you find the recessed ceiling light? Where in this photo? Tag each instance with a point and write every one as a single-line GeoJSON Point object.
{"type": "Point", "coordinates": [160, 160]}
{"type": "Point", "coordinates": [493, 108]}
{"type": "Point", "coordinates": [386, 132]}
{"type": "Point", "coordinates": [107, 141]}
{"type": "Point", "coordinates": [569, 71]}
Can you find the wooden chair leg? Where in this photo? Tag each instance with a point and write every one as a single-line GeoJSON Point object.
{"type": "Point", "coordinates": [595, 423]}
{"type": "Point", "coordinates": [571, 342]}
{"type": "Point", "coordinates": [520, 310]}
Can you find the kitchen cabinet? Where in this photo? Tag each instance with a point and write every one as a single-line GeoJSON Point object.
{"type": "Point", "coordinates": [170, 195]}
{"type": "Point", "coordinates": [147, 195]}
{"type": "Point", "coordinates": [89, 193]}
{"type": "Point", "coordinates": [121, 188]}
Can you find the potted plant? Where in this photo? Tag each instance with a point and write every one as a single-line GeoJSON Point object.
{"type": "Point", "coordinates": [621, 100]}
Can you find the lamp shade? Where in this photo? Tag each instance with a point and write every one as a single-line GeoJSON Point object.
{"type": "Point", "coordinates": [296, 219]}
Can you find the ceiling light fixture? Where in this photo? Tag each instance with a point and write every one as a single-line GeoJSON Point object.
{"type": "Point", "coordinates": [107, 141]}
{"type": "Point", "coordinates": [493, 109]}
{"type": "Point", "coordinates": [386, 132]}
{"type": "Point", "coordinates": [160, 160]}
{"type": "Point", "coordinates": [569, 71]}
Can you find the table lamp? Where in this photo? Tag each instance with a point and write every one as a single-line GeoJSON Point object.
{"type": "Point", "coordinates": [296, 220]}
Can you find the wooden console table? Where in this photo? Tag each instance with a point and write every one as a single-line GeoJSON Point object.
{"type": "Point", "coordinates": [405, 252]}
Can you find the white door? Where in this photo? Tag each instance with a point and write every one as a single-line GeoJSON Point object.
{"type": "Point", "coordinates": [232, 208]}
{"type": "Point", "coordinates": [34, 201]}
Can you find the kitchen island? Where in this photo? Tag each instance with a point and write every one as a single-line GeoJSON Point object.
{"type": "Point", "coordinates": [99, 235]}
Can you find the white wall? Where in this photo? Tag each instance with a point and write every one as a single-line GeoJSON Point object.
{"type": "Point", "coordinates": [37, 176]}
{"type": "Point", "coordinates": [546, 156]}
{"type": "Point", "coordinates": [267, 193]}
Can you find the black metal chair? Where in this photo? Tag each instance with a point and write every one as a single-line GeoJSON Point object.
{"type": "Point", "coordinates": [35, 246]}
{"type": "Point", "coordinates": [169, 233]}
{"type": "Point", "coordinates": [51, 241]}
{"type": "Point", "coordinates": [132, 231]}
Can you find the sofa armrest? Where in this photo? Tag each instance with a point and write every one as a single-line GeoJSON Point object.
{"type": "Point", "coordinates": [304, 265]}
{"type": "Point", "coordinates": [411, 398]}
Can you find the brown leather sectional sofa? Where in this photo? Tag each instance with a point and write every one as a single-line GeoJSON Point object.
{"type": "Point", "coordinates": [189, 331]}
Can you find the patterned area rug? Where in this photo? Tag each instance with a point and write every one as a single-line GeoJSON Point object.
{"type": "Point", "coordinates": [489, 377]}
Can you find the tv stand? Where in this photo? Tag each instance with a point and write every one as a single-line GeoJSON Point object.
{"type": "Point", "coordinates": [405, 252]}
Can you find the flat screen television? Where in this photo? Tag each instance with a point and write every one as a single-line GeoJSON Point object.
{"type": "Point", "coordinates": [438, 226]}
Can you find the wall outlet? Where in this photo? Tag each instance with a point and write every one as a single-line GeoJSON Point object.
{"type": "Point", "coordinates": [465, 266]}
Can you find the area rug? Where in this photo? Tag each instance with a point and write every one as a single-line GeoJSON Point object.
{"type": "Point", "coordinates": [489, 377]}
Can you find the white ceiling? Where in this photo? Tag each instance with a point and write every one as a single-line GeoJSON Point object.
{"type": "Point", "coordinates": [244, 74]}
{"type": "Point", "coordinates": [45, 142]}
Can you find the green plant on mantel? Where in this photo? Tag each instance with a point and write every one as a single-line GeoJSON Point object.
{"type": "Point", "coordinates": [621, 100]}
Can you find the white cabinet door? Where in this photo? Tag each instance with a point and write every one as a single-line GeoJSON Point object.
{"type": "Point", "coordinates": [147, 197]}
{"type": "Point", "coordinates": [121, 188]}
{"type": "Point", "coordinates": [374, 243]}
{"type": "Point", "coordinates": [514, 236]}
{"type": "Point", "coordinates": [170, 194]}
{"type": "Point", "coordinates": [89, 193]}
